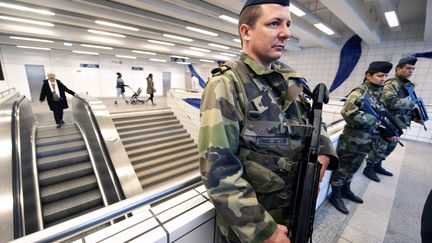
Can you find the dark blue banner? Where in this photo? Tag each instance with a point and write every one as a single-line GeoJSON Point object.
{"type": "Point", "coordinates": [424, 54]}
{"type": "Point", "coordinates": [83, 65]}
{"type": "Point", "coordinates": [195, 102]}
{"type": "Point", "coordinates": [194, 73]}
{"type": "Point", "coordinates": [137, 68]}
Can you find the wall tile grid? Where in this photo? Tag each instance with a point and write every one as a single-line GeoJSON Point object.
{"type": "Point", "coordinates": [319, 65]}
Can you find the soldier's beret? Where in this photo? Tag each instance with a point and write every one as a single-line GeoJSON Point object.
{"type": "Point", "coordinates": [255, 2]}
{"type": "Point", "coordinates": [408, 60]}
{"type": "Point", "coordinates": [380, 66]}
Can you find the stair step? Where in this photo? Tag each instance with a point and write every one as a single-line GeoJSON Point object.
{"type": "Point", "coordinates": [161, 179]}
{"type": "Point", "coordinates": [56, 132]}
{"type": "Point", "coordinates": [68, 188]}
{"type": "Point", "coordinates": [144, 141]}
{"type": "Point", "coordinates": [151, 148]}
{"type": "Point", "coordinates": [156, 154]}
{"type": "Point", "coordinates": [141, 120]}
{"type": "Point", "coordinates": [60, 148]}
{"type": "Point", "coordinates": [116, 117]}
{"type": "Point", "coordinates": [149, 131]}
{"type": "Point", "coordinates": [140, 165]}
{"type": "Point", "coordinates": [65, 173]}
{"type": "Point", "coordinates": [164, 167]}
{"type": "Point", "coordinates": [55, 140]}
{"type": "Point", "coordinates": [146, 125]}
{"type": "Point", "coordinates": [56, 161]}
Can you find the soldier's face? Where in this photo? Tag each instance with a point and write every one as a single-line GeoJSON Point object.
{"type": "Point", "coordinates": [406, 71]}
{"type": "Point", "coordinates": [266, 41]}
{"type": "Point", "coordinates": [377, 78]}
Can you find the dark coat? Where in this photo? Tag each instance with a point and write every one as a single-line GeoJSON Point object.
{"type": "Point", "coordinates": [46, 92]}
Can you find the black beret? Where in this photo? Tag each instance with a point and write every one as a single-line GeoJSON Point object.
{"type": "Point", "coordinates": [380, 66]}
{"type": "Point", "coordinates": [255, 2]}
{"type": "Point", "coordinates": [408, 60]}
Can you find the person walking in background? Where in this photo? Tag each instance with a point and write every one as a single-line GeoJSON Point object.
{"type": "Point", "coordinates": [195, 83]}
{"type": "Point", "coordinates": [359, 134]}
{"type": "Point", "coordinates": [150, 88]}
{"type": "Point", "coordinates": [120, 88]}
{"type": "Point", "coordinates": [54, 91]}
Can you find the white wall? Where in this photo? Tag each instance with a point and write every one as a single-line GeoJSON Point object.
{"type": "Point", "coordinates": [97, 82]}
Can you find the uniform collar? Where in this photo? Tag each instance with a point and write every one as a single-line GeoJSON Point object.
{"type": "Point", "coordinates": [256, 67]}
{"type": "Point", "coordinates": [373, 87]}
{"type": "Point", "coordinates": [403, 80]}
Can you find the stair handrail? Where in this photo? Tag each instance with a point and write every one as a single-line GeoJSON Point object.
{"type": "Point", "coordinates": [189, 116]}
{"type": "Point", "coordinates": [6, 94]}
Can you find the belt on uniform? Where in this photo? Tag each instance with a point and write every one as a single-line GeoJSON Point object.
{"type": "Point", "coordinates": [272, 162]}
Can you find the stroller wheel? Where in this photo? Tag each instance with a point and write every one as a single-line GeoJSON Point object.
{"type": "Point", "coordinates": [133, 102]}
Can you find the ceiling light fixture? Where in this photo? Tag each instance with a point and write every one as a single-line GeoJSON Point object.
{"type": "Point", "coordinates": [228, 54]}
{"type": "Point", "coordinates": [86, 52]}
{"type": "Point", "coordinates": [206, 32]}
{"type": "Point", "coordinates": [205, 60]}
{"type": "Point", "coordinates": [178, 37]}
{"type": "Point", "coordinates": [127, 57]}
{"type": "Point", "coordinates": [67, 44]}
{"type": "Point", "coordinates": [181, 57]}
{"type": "Point", "coordinates": [237, 40]}
{"type": "Point", "coordinates": [184, 63]}
{"type": "Point", "coordinates": [229, 19]}
{"type": "Point", "coordinates": [29, 21]}
{"type": "Point", "coordinates": [161, 42]}
{"type": "Point", "coordinates": [99, 32]}
{"type": "Point", "coordinates": [27, 9]}
{"type": "Point", "coordinates": [34, 47]}
{"type": "Point", "coordinates": [144, 52]}
{"type": "Point", "coordinates": [30, 39]}
{"type": "Point", "coordinates": [324, 28]}
{"type": "Point", "coordinates": [98, 47]}
{"type": "Point", "coordinates": [120, 26]}
{"type": "Point", "coordinates": [297, 11]}
{"type": "Point", "coordinates": [193, 53]}
{"type": "Point", "coordinates": [219, 46]}
{"type": "Point", "coordinates": [199, 49]}
{"type": "Point", "coordinates": [157, 60]}
{"type": "Point", "coordinates": [391, 18]}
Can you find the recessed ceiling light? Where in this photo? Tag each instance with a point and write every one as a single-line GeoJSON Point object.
{"type": "Point", "coordinates": [205, 60]}
{"type": "Point", "coordinates": [229, 19]}
{"type": "Point", "coordinates": [161, 42]}
{"type": "Point", "coordinates": [120, 26]}
{"type": "Point", "coordinates": [206, 32]}
{"type": "Point", "coordinates": [144, 52]}
{"type": "Point", "coordinates": [391, 18]}
{"type": "Point", "coordinates": [324, 28]}
{"type": "Point", "coordinates": [86, 52]}
{"type": "Point", "coordinates": [228, 54]}
{"type": "Point", "coordinates": [98, 47]}
{"type": "Point", "coordinates": [219, 46]}
{"type": "Point", "coordinates": [181, 57]}
{"type": "Point", "coordinates": [193, 53]}
{"type": "Point", "coordinates": [67, 44]}
{"type": "Point", "coordinates": [30, 39]}
{"type": "Point", "coordinates": [99, 32]}
{"type": "Point", "coordinates": [184, 63]}
{"type": "Point", "coordinates": [127, 57]}
{"type": "Point", "coordinates": [295, 10]}
{"type": "Point", "coordinates": [157, 60]}
{"type": "Point", "coordinates": [29, 21]}
{"type": "Point", "coordinates": [178, 37]}
{"type": "Point", "coordinates": [237, 40]}
{"type": "Point", "coordinates": [199, 49]}
{"type": "Point", "coordinates": [34, 47]}
{"type": "Point", "coordinates": [27, 9]}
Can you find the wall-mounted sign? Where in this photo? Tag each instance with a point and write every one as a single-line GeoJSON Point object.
{"type": "Point", "coordinates": [137, 68]}
{"type": "Point", "coordinates": [84, 65]}
{"type": "Point", "coordinates": [220, 62]}
{"type": "Point", "coordinates": [176, 59]}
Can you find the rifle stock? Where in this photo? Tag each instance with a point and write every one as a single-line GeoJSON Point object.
{"type": "Point", "coordinates": [421, 112]}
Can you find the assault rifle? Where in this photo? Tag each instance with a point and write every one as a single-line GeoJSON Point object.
{"type": "Point", "coordinates": [419, 112]}
{"type": "Point", "coordinates": [301, 226]}
{"type": "Point", "coordinates": [391, 128]}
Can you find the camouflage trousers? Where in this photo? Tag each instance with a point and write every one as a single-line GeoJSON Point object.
{"type": "Point", "coordinates": [381, 149]}
{"type": "Point", "coordinates": [349, 163]}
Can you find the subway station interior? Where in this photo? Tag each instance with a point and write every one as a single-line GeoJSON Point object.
{"type": "Point", "coordinates": [127, 169]}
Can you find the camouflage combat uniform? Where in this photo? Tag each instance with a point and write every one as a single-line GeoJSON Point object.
{"type": "Point", "coordinates": [360, 132]}
{"type": "Point", "coordinates": [252, 134]}
{"type": "Point", "coordinates": [399, 106]}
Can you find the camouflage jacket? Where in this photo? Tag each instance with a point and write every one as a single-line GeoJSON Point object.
{"type": "Point", "coordinates": [397, 102]}
{"type": "Point", "coordinates": [360, 126]}
{"type": "Point", "coordinates": [222, 116]}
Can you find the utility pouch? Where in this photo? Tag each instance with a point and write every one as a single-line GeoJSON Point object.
{"type": "Point", "coordinates": [262, 179]}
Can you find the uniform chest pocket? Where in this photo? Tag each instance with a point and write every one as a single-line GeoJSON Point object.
{"type": "Point", "coordinates": [262, 179]}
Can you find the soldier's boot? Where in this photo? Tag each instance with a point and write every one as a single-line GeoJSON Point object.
{"type": "Point", "coordinates": [347, 193]}
{"type": "Point", "coordinates": [380, 170]}
{"type": "Point", "coordinates": [369, 172]}
{"type": "Point", "coordinates": [336, 199]}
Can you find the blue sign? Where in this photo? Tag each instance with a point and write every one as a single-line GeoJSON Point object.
{"type": "Point", "coordinates": [83, 65]}
{"type": "Point", "coordinates": [137, 68]}
{"type": "Point", "coordinates": [176, 59]}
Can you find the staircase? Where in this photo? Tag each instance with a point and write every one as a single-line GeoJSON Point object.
{"type": "Point", "coordinates": [68, 185]}
{"type": "Point", "coordinates": [159, 148]}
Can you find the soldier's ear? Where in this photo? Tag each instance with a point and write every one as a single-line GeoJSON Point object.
{"type": "Point", "coordinates": [244, 32]}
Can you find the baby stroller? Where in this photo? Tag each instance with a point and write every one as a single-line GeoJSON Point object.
{"type": "Point", "coordinates": [135, 97]}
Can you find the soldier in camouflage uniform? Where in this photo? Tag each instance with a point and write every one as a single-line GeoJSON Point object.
{"type": "Point", "coordinates": [253, 129]}
{"type": "Point", "coordinates": [400, 107]}
{"type": "Point", "coordinates": [359, 134]}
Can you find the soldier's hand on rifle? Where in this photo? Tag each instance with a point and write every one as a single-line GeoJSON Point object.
{"type": "Point", "coordinates": [393, 139]}
{"type": "Point", "coordinates": [324, 160]}
{"type": "Point", "coordinates": [279, 236]}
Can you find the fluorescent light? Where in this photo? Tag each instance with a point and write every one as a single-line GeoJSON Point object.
{"type": "Point", "coordinates": [156, 47]}
{"type": "Point", "coordinates": [86, 52]}
{"type": "Point", "coordinates": [228, 54]}
{"type": "Point", "coordinates": [324, 28]}
{"type": "Point", "coordinates": [27, 9]}
{"type": "Point", "coordinates": [106, 33]}
{"type": "Point", "coordinates": [144, 52]}
{"type": "Point", "coordinates": [184, 63]}
{"type": "Point", "coordinates": [67, 44]}
{"type": "Point", "coordinates": [205, 60]}
{"type": "Point", "coordinates": [98, 47]}
{"type": "Point", "coordinates": [392, 19]}
{"type": "Point", "coordinates": [29, 21]}
{"type": "Point", "coordinates": [161, 42]}
{"type": "Point", "coordinates": [199, 49]}
{"type": "Point", "coordinates": [206, 32]}
{"type": "Point", "coordinates": [219, 46]}
{"type": "Point", "coordinates": [237, 40]}
{"type": "Point", "coordinates": [127, 57]}
{"type": "Point", "coordinates": [157, 60]}
{"type": "Point", "coordinates": [178, 37]}
{"type": "Point", "coordinates": [229, 19]}
{"type": "Point", "coordinates": [181, 57]}
{"type": "Point", "coordinates": [120, 26]}
{"type": "Point", "coordinates": [220, 57]}
{"type": "Point", "coordinates": [295, 10]}
{"type": "Point", "coordinates": [30, 39]}
{"type": "Point", "coordinates": [193, 53]}
{"type": "Point", "coordinates": [33, 47]}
